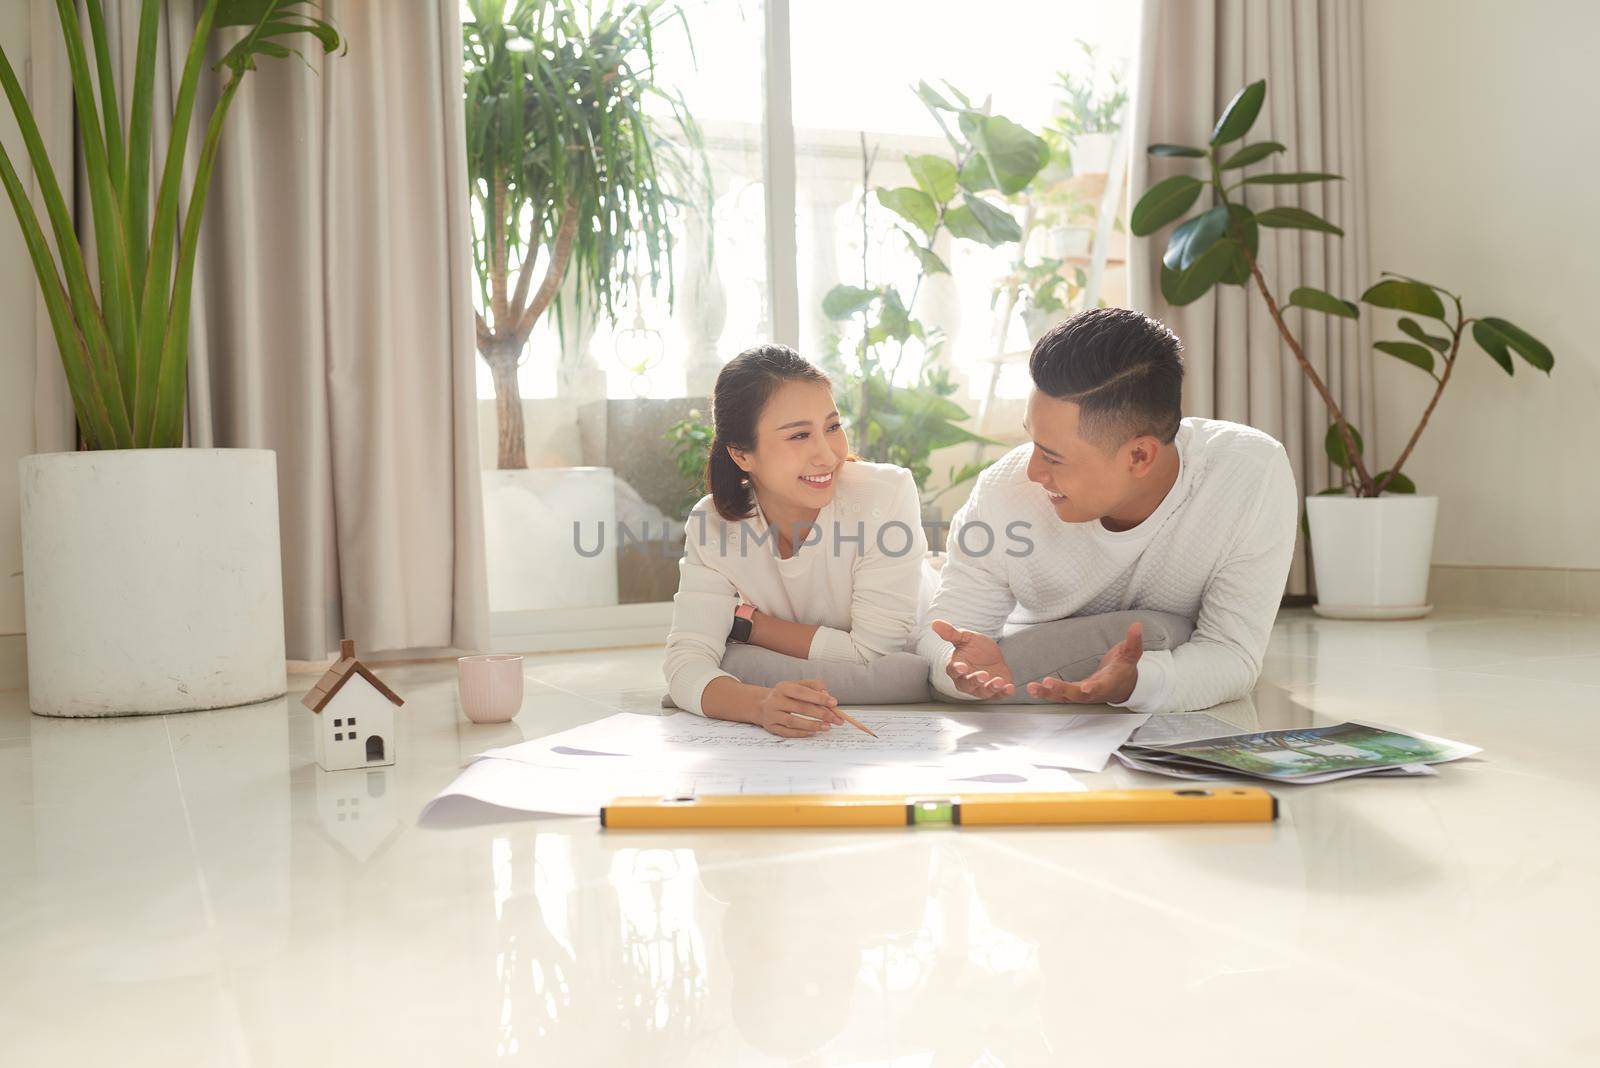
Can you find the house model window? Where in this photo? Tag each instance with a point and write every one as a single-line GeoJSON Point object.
{"type": "Point", "coordinates": [354, 715]}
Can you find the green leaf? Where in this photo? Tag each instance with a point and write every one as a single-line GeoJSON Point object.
{"type": "Point", "coordinates": [1186, 287]}
{"type": "Point", "coordinates": [1297, 219]}
{"type": "Point", "coordinates": [1405, 296]}
{"type": "Point", "coordinates": [1240, 114]}
{"type": "Point", "coordinates": [88, 395]}
{"type": "Point", "coordinates": [1192, 238]}
{"type": "Point", "coordinates": [893, 318]}
{"type": "Point", "coordinates": [977, 220]}
{"type": "Point", "coordinates": [1415, 355]}
{"type": "Point", "coordinates": [1491, 342]}
{"type": "Point", "coordinates": [935, 175]}
{"type": "Point", "coordinates": [1398, 482]}
{"type": "Point", "coordinates": [1251, 154]}
{"type": "Point", "coordinates": [912, 205]}
{"type": "Point", "coordinates": [1320, 301]}
{"type": "Point", "coordinates": [969, 470]}
{"type": "Point", "coordinates": [1519, 340]}
{"type": "Point", "coordinates": [1163, 202]}
{"type": "Point", "coordinates": [1333, 444]}
{"type": "Point", "coordinates": [931, 263]}
{"type": "Point", "coordinates": [98, 396]}
{"type": "Point", "coordinates": [1293, 178]}
{"type": "Point", "coordinates": [930, 96]}
{"type": "Point", "coordinates": [250, 12]}
{"type": "Point", "coordinates": [1008, 155]}
{"type": "Point", "coordinates": [961, 223]}
{"type": "Point", "coordinates": [1186, 151]}
{"type": "Point", "coordinates": [1418, 281]}
{"type": "Point", "coordinates": [1244, 226]}
{"type": "Point", "coordinates": [1414, 329]}
{"type": "Point", "coordinates": [843, 301]}
{"type": "Point", "coordinates": [1237, 270]}
{"type": "Point", "coordinates": [136, 197]}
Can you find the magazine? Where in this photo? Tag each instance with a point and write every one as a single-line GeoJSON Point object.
{"type": "Point", "coordinates": [1302, 754]}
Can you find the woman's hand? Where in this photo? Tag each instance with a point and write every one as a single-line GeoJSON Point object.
{"type": "Point", "coordinates": [798, 708]}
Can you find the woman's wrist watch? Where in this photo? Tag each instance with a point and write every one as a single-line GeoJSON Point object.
{"type": "Point", "coordinates": [743, 623]}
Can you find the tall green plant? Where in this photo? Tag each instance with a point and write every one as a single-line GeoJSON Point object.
{"type": "Point", "coordinates": [989, 154]}
{"type": "Point", "coordinates": [565, 164]}
{"type": "Point", "coordinates": [124, 334]}
{"type": "Point", "coordinates": [1220, 245]}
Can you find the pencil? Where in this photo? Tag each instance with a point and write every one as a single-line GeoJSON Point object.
{"type": "Point", "coordinates": [856, 723]}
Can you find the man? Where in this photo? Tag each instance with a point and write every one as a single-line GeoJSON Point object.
{"type": "Point", "coordinates": [1118, 503]}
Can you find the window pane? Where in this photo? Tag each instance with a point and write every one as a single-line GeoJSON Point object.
{"type": "Point", "coordinates": [856, 68]}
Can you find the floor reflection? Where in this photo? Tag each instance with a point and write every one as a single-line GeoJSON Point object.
{"type": "Point", "coordinates": [356, 809]}
{"type": "Point", "coordinates": [662, 975]}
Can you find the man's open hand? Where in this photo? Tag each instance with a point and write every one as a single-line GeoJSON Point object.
{"type": "Point", "coordinates": [976, 667]}
{"type": "Point", "coordinates": [1111, 683]}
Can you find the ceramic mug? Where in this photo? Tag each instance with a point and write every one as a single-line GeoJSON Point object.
{"type": "Point", "coordinates": [490, 686]}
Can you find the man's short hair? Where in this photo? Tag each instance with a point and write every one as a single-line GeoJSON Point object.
{"type": "Point", "coordinates": [1123, 370]}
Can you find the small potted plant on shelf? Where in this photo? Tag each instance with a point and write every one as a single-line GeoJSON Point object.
{"type": "Point", "coordinates": [151, 572]}
{"type": "Point", "coordinates": [1045, 293]}
{"type": "Point", "coordinates": [1371, 535]}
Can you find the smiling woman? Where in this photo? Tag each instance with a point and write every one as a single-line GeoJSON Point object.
{"type": "Point", "coordinates": [800, 549]}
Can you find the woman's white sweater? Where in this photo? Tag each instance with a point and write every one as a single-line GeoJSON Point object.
{"type": "Point", "coordinates": [857, 575]}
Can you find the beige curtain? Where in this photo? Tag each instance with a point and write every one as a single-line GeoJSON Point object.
{"type": "Point", "coordinates": [1193, 56]}
{"type": "Point", "coordinates": [333, 316]}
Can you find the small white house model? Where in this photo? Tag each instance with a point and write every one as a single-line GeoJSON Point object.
{"type": "Point", "coordinates": [354, 714]}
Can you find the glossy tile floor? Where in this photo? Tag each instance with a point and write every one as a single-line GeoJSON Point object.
{"type": "Point", "coordinates": [191, 890]}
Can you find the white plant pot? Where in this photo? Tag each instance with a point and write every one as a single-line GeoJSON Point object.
{"type": "Point", "coordinates": [1371, 555]}
{"type": "Point", "coordinates": [534, 563]}
{"type": "Point", "coordinates": [152, 580]}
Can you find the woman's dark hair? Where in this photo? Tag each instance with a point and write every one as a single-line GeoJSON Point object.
{"type": "Point", "coordinates": [743, 388]}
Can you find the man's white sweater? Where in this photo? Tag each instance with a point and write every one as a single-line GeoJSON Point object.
{"type": "Point", "coordinates": [1216, 551]}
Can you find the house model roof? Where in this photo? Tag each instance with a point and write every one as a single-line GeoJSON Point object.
{"type": "Point", "coordinates": [343, 670]}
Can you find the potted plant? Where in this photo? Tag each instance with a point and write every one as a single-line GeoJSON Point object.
{"type": "Point", "coordinates": [1371, 535]}
{"type": "Point", "coordinates": [1087, 114]}
{"type": "Point", "coordinates": [151, 573]}
{"type": "Point", "coordinates": [1044, 291]}
{"type": "Point", "coordinates": [567, 169]}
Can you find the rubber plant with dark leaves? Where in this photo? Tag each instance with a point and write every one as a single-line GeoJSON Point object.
{"type": "Point", "coordinates": [1219, 246]}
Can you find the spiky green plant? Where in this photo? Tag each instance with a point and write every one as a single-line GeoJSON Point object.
{"type": "Point", "coordinates": [124, 334]}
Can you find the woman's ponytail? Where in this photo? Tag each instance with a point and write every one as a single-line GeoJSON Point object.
{"type": "Point", "coordinates": [730, 491]}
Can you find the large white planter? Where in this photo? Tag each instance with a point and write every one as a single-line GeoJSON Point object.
{"type": "Point", "coordinates": [1371, 555]}
{"type": "Point", "coordinates": [152, 580]}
